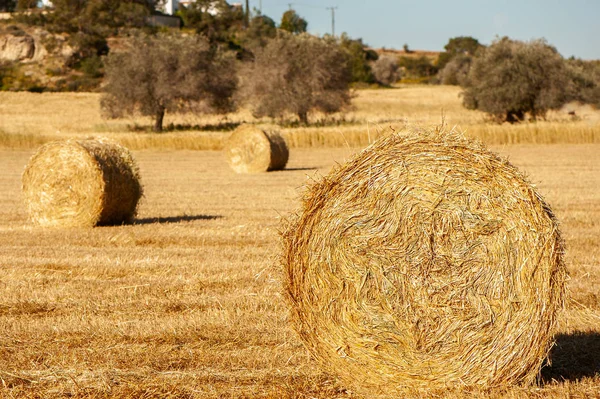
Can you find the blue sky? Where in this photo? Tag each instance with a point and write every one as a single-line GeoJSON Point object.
{"type": "Point", "coordinates": [572, 26]}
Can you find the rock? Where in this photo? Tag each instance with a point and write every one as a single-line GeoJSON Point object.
{"type": "Point", "coordinates": [16, 48]}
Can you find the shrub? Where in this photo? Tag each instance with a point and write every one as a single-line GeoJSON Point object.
{"type": "Point", "coordinates": [292, 22]}
{"type": "Point", "coordinates": [260, 30]}
{"type": "Point", "coordinates": [296, 74]}
{"type": "Point", "coordinates": [511, 79]}
{"type": "Point", "coordinates": [216, 26]}
{"type": "Point", "coordinates": [168, 73]}
{"type": "Point", "coordinates": [92, 66]}
{"type": "Point", "coordinates": [455, 72]}
{"type": "Point", "coordinates": [420, 68]}
{"type": "Point", "coordinates": [8, 5]}
{"type": "Point", "coordinates": [458, 46]}
{"type": "Point", "coordinates": [358, 57]}
{"type": "Point", "coordinates": [386, 70]}
{"type": "Point", "coordinates": [585, 77]}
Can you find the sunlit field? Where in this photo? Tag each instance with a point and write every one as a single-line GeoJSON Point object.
{"type": "Point", "coordinates": [29, 119]}
{"type": "Point", "coordinates": [187, 302]}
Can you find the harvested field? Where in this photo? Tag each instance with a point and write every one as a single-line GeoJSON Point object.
{"type": "Point", "coordinates": [373, 112]}
{"type": "Point", "coordinates": [187, 302]}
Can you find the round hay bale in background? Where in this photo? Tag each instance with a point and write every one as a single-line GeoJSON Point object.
{"type": "Point", "coordinates": [425, 262]}
{"type": "Point", "coordinates": [253, 149]}
{"type": "Point", "coordinates": [79, 183]}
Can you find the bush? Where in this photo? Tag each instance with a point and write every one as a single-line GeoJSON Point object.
{"type": "Point", "coordinates": [8, 5]}
{"type": "Point", "coordinates": [296, 74]}
{"type": "Point", "coordinates": [260, 30]}
{"type": "Point", "coordinates": [418, 68]}
{"type": "Point", "coordinates": [511, 79]}
{"type": "Point", "coordinates": [386, 70]}
{"type": "Point", "coordinates": [585, 77]}
{"type": "Point", "coordinates": [292, 22]}
{"type": "Point", "coordinates": [168, 73]}
{"type": "Point", "coordinates": [358, 58]}
{"type": "Point", "coordinates": [458, 46]}
{"type": "Point", "coordinates": [217, 27]}
{"type": "Point", "coordinates": [13, 79]}
{"type": "Point", "coordinates": [456, 71]}
{"type": "Point", "coordinates": [86, 45]}
{"type": "Point", "coordinates": [92, 66]}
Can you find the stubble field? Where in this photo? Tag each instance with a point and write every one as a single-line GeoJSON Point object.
{"type": "Point", "coordinates": [187, 301]}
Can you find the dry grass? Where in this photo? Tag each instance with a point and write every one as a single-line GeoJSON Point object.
{"type": "Point", "coordinates": [28, 120]}
{"type": "Point", "coordinates": [187, 302]}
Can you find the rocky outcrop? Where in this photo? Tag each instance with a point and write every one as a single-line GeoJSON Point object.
{"type": "Point", "coordinates": [32, 46]}
{"type": "Point", "coordinates": [17, 48]}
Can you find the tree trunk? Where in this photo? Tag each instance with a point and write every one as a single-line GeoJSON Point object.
{"type": "Point", "coordinates": [303, 116]}
{"type": "Point", "coordinates": [158, 119]}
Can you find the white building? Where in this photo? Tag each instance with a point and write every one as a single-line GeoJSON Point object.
{"type": "Point", "coordinates": [171, 6]}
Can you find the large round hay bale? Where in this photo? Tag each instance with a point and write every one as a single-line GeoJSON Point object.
{"type": "Point", "coordinates": [425, 262]}
{"type": "Point", "coordinates": [254, 149]}
{"type": "Point", "coordinates": [79, 183]}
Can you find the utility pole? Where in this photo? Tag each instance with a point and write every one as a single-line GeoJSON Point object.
{"type": "Point", "coordinates": [290, 5]}
{"type": "Point", "coordinates": [332, 19]}
{"type": "Point", "coordinates": [247, 19]}
{"type": "Point", "coordinates": [260, 6]}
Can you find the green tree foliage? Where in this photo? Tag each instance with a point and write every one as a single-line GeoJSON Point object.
{"type": "Point", "coordinates": [23, 5]}
{"type": "Point", "coordinates": [260, 30]}
{"type": "Point", "coordinates": [461, 45]}
{"type": "Point", "coordinates": [296, 74]}
{"type": "Point", "coordinates": [292, 22]}
{"type": "Point", "coordinates": [8, 5]}
{"type": "Point", "coordinates": [511, 78]}
{"type": "Point", "coordinates": [217, 20]}
{"type": "Point", "coordinates": [168, 73]}
{"type": "Point", "coordinates": [359, 59]}
{"type": "Point", "coordinates": [100, 16]}
{"type": "Point", "coordinates": [420, 68]}
{"type": "Point", "coordinates": [386, 70]}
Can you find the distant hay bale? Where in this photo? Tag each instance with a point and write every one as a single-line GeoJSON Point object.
{"type": "Point", "coordinates": [253, 149]}
{"type": "Point", "coordinates": [79, 183]}
{"type": "Point", "coordinates": [425, 262]}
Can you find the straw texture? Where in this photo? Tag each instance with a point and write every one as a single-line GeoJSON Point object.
{"type": "Point", "coordinates": [81, 183]}
{"type": "Point", "coordinates": [425, 262]}
{"type": "Point", "coordinates": [253, 149]}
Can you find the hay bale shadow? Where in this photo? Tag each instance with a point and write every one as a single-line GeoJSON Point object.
{"type": "Point", "coordinates": [184, 127]}
{"type": "Point", "coordinates": [575, 356]}
{"type": "Point", "coordinates": [176, 219]}
{"type": "Point", "coordinates": [299, 169]}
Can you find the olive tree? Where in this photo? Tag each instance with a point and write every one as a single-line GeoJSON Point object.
{"type": "Point", "coordinates": [297, 74]}
{"type": "Point", "coordinates": [164, 73]}
{"type": "Point", "coordinates": [511, 79]}
{"type": "Point", "coordinates": [292, 22]}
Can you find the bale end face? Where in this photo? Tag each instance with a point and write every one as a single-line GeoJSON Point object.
{"type": "Point", "coordinates": [426, 262]}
